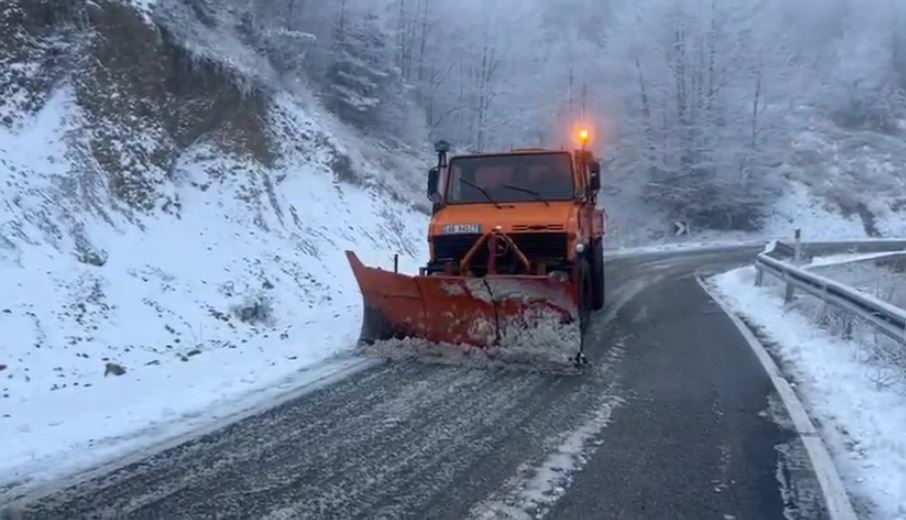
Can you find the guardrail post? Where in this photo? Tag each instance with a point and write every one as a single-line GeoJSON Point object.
{"type": "Point", "coordinates": [759, 276]}
{"type": "Point", "coordinates": [797, 251]}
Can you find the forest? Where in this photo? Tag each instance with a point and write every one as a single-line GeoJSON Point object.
{"type": "Point", "coordinates": [695, 100]}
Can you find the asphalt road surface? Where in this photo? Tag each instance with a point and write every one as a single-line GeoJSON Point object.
{"type": "Point", "coordinates": [675, 419]}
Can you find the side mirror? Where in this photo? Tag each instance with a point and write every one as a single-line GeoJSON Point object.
{"type": "Point", "coordinates": [595, 180]}
{"type": "Point", "coordinates": [433, 181]}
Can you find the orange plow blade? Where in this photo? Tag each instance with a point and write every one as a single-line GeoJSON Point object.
{"type": "Point", "coordinates": [505, 312]}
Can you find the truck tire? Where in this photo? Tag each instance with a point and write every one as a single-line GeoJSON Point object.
{"type": "Point", "coordinates": [597, 276]}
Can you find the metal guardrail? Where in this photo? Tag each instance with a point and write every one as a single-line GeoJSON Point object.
{"type": "Point", "coordinates": [858, 246]}
{"type": "Point", "coordinates": [886, 318]}
{"type": "Point", "coordinates": [783, 249]}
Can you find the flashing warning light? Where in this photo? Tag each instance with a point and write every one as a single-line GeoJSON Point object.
{"type": "Point", "coordinates": [584, 136]}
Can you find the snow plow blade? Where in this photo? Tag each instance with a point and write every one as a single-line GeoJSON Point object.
{"type": "Point", "coordinates": [530, 314]}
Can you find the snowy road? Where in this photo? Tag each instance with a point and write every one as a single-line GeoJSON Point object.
{"type": "Point", "coordinates": [677, 419]}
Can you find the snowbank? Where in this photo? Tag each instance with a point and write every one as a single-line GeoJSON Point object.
{"type": "Point", "coordinates": [119, 329]}
{"type": "Point", "coordinates": [861, 417]}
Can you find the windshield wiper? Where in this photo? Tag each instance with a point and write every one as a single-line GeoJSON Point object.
{"type": "Point", "coordinates": [530, 192]}
{"type": "Point", "coordinates": [482, 190]}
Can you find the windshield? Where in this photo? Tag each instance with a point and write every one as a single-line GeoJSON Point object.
{"type": "Point", "coordinates": [511, 178]}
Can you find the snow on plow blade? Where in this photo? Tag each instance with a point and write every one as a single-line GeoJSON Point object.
{"type": "Point", "coordinates": [530, 314]}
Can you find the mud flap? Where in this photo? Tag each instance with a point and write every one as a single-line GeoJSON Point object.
{"type": "Point", "coordinates": [524, 313]}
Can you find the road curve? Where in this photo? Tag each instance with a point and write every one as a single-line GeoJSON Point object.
{"type": "Point", "coordinates": [675, 419]}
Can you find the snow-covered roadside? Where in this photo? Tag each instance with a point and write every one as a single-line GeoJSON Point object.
{"type": "Point", "coordinates": [122, 330]}
{"type": "Point", "coordinates": [147, 436]}
{"type": "Point", "coordinates": [861, 421]}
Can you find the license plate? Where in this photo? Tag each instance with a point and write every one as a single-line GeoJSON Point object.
{"type": "Point", "coordinates": [462, 229]}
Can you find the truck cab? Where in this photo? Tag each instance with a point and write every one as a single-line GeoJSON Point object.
{"type": "Point", "coordinates": [523, 212]}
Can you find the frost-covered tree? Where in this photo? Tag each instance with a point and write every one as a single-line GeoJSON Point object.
{"type": "Point", "coordinates": [866, 85]}
{"type": "Point", "coordinates": [358, 76]}
{"type": "Point", "coordinates": [694, 102]}
{"type": "Point", "coordinates": [363, 85]}
{"type": "Point", "coordinates": [701, 96]}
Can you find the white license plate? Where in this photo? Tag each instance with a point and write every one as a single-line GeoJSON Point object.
{"type": "Point", "coordinates": [462, 229]}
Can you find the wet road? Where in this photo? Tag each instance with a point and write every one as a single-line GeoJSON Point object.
{"type": "Point", "coordinates": [675, 419]}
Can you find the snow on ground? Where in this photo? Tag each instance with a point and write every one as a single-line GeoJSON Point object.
{"type": "Point", "coordinates": [856, 396]}
{"type": "Point", "coordinates": [852, 168]}
{"type": "Point", "coordinates": [634, 228]}
{"type": "Point", "coordinates": [799, 208]}
{"type": "Point", "coordinates": [558, 358]}
{"type": "Point", "coordinates": [145, 5]}
{"type": "Point", "coordinates": [116, 324]}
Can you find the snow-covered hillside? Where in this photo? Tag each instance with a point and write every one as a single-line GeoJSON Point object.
{"type": "Point", "coordinates": [163, 245]}
{"type": "Point", "coordinates": [634, 223]}
{"type": "Point", "coordinates": [835, 184]}
{"type": "Point", "coordinates": [855, 172]}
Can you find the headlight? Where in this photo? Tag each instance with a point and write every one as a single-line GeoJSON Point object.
{"type": "Point", "coordinates": [580, 248]}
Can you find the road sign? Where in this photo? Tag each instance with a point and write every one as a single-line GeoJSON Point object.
{"type": "Point", "coordinates": [680, 228]}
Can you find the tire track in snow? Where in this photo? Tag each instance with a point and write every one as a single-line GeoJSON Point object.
{"type": "Point", "coordinates": [247, 450]}
{"type": "Point", "coordinates": [536, 487]}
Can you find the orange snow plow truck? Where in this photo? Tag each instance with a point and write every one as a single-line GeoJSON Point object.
{"type": "Point", "coordinates": [516, 257]}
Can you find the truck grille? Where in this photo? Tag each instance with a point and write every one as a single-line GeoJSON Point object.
{"type": "Point", "coordinates": [535, 246]}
